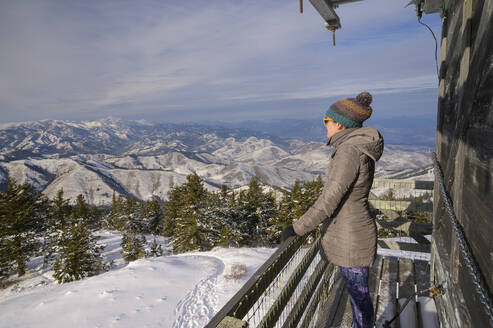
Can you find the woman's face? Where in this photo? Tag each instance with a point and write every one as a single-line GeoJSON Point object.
{"type": "Point", "coordinates": [333, 128]}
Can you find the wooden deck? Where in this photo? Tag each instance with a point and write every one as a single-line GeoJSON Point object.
{"type": "Point", "coordinates": [391, 278]}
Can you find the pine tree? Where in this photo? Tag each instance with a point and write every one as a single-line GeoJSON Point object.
{"type": "Point", "coordinates": [171, 208]}
{"type": "Point", "coordinates": [132, 246]}
{"type": "Point", "coordinates": [125, 215]}
{"type": "Point", "coordinates": [294, 204]}
{"type": "Point", "coordinates": [20, 219]}
{"type": "Point", "coordinates": [116, 218]}
{"type": "Point", "coordinates": [247, 205]}
{"type": "Point", "coordinates": [156, 249]}
{"type": "Point", "coordinates": [152, 216]}
{"type": "Point", "coordinates": [95, 218]}
{"type": "Point", "coordinates": [79, 255]}
{"type": "Point", "coordinates": [285, 216]}
{"type": "Point", "coordinates": [57, 219]}
{"type": "Point", "coordinates": [80, 210]}
{"type": "Point", "coordinates": [6, 263]}
{"type": "Point", "coordinates": [191, 224]}
{"type": "Point", "coordinates": [60, 211]}
{"type": "Point", "coordinates": [266, 213]}
{"type": "Point", "coordinates": [312, 191]}
{"type": "Point", "coordinates": [257, 210]}
{"type": "Point", "coordinates": [225, 230]}
{"type": "Point", "coordinates": [132, 218]}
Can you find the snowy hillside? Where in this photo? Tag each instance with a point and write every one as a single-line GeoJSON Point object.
{"type": "Point", "coordinates": [144, 160]}
{"type": "Point", "coordinates": [405, 162]}
{"type": "Point", "coordinates": [172, 291]}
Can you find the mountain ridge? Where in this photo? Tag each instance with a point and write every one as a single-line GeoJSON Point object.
{"type": "Point", "coordinates": [148, 159]}
{"type": "Point", "coordinates": [111, 136]}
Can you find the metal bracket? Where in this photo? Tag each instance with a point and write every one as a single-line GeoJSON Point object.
{"type": "Point", "coordinates": [326, 9]}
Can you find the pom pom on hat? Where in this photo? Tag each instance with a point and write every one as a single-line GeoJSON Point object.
{"type": "Point", "coordinates": [351, 112]}
{"type": "Point", "coordinates": [364, 98]}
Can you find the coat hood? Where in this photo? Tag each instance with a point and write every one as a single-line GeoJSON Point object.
{"type": "Point", "coordinates": [366, 139]}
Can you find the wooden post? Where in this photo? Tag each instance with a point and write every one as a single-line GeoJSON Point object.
{"type": "Point", "coordinates": [230, 322]}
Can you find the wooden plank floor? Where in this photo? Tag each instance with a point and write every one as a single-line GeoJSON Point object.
{"type": "Point", "coordinates": [386, 291]}
{"type": "Point", "coordinates": [388, 276]}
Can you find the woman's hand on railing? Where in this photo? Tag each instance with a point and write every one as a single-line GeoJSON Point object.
{"type": "Point", "coordinates": [287, 232]}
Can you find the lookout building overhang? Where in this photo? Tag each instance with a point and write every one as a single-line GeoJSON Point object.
{"type": "Point", "coordinates": [326, 9]}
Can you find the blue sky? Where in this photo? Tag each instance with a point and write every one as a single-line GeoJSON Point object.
{"type": "Point", "coordinates": [224, 60]}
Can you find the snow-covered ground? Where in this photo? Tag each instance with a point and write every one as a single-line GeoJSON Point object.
{"type": "Point", "coordinates": [183, 290]}
{"type": "Point", "coordinates": [404, 254]}
{"type": "Point", "coordinates": [174, 291]}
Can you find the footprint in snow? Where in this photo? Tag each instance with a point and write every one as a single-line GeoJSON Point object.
{"type": "Point", "coordinates": [198, 306]}
{"type": "Point", "coordinates": [118, 317]}
{"type": "Point", "coordinates": [105, 293]}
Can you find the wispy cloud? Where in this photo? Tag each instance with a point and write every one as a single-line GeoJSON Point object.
{"type": "Point", "coordinates": [64, 59]}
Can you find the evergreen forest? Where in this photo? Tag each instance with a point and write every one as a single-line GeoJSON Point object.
{"type": "Point", "coordinates": [63, 232]}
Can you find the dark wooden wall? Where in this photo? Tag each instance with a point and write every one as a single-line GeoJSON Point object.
{"type": "Point", "coordinates": [465, 152]}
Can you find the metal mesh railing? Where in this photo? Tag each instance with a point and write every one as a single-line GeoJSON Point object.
{"type": "Point", "coordinates": [305, 312]}
{"type": "Point", "coordinates": [267, 299]}
{"type": "Point", "coordinates": [282, 298]}
{"type": "Point", "coordinates": [290, 278]}
{"type": "Point", "coordinates": [286, 290]}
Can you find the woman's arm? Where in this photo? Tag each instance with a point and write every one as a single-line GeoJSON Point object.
{"type": "Point", "coordinates": [341, 176]}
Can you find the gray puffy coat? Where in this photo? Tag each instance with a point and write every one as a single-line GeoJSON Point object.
{"type": "Point", "coordinates": [349, 236]}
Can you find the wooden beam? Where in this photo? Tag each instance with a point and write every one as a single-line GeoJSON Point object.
{"type": "Point", "coordinates": [413, 229]}
{"type": "Point", "coordinates": [401, 205]}
{"type": "Point", "coordinates": [410, 247]}
{"type": "Point", "coordinates": [402, 184]}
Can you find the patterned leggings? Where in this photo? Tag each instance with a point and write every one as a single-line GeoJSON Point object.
{"type": "Point", "coordinates": [357, 285]}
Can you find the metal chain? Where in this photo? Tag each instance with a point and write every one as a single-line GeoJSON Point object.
{"type": "Point", "coordinates": [472, 268]}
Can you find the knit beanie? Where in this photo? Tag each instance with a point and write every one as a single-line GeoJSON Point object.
{"type": "Point", "coordinates": [351, 112]}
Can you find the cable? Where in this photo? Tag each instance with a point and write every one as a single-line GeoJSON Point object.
{"type": "Point", "coordinates": [436, 46]}
{"type": "Point", "coordinates": [420, 14]}
{"type": "Point", "coordinates": [435, 290]}
{"type": "Point", "coordinates": [468, 259]}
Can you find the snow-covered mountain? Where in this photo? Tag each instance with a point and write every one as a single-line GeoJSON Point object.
{"type": "Point", "coordinates": [144, 160]}
{"type": "Point", "coordinates": [111, 136]}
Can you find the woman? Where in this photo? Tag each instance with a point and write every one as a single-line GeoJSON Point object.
{"type": "Point", "coordinates": [348, 232]}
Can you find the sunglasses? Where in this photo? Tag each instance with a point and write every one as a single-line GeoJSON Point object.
{"type": "Point", "coordinates": [327, 119]}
